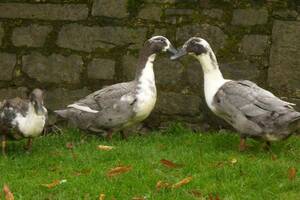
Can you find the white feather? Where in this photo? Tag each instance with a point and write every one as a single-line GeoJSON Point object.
{"type": "Point", "coordinates": [32, 124]}
{"type": "Point", "coordinates": [82, 108]}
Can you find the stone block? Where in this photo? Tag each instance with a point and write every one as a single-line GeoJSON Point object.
{"type": "Point", "coordinates": [44, 11]}
{"type": "Point", "coordinates": [89, 38]}
{"type": "Point", "coordinates": [110, 8]}
{"type": "Point", "coordinates": [178, 104]}
{"type": "Point", "coordinates": [101, 69]}
{"type": "Point", "coordinates": [59, 98]}
{"type": "Point", "coordinates": [54, 68]}
{"type": "Point", "coordinates": [284, 70]}
{"type": "Point", "coordinates": [31, 36]}
{"type": "Point", "coordinates": [129, 63]}
{"type": "Point", "coordinates": [213, 34]}
{"type": "Point", "coordinates": [1, 33]}
{"type": "Point", "coordinates": [250, 16]}
{"type": "Point", "coordinates": [150, 12]}
{"type": "Point", "coordinates": [255, 45]}
{"type": "Point", "coordinates": [7, 65]}
{"type": "Point", "coordinates": [213, 13]}
{"type": "Point", "coordinates": [173, 11]}
{"type": "Point", "coordinates": [9, 93]}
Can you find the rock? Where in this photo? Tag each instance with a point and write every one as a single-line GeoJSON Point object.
{"type": "Point", "coordinates": [89, 38]}
{"type": "Point", "coordinates": [240, 70]}
{"type": "Point", "coordinates": [213, 34]}
{"type": "Point", "coordinates": [7, 65]}
{"type": "Point", "coordinates": [150, 12]}
{"type": "Point", "coordinates": [31, 36]}
{"type": "Point", "coordinates": [101, 69]}
{"type": "Point", "coordinates": [213, 13]}
{"type": "Point", "coordinates": [129, 63]}
{"type": "Point", "coordinates": [59, 98]}
{"type": "Point", "coordinates": [249, 17]}
{"type": "Point", "coordinates": [167, 72]}
{"type": "Point", "coordinates": [173, 11]}
{"type": "Point", "coordinates": [44, 11]}
{"type": "Point", "coordinates": [1, 33]}
{"type": "Point", "coordinates": [174, 103]}
{"type": "Point", "coordinates": [286, 14]}
{"type": "Point", "coordinates": [54, 68]}
{"type": "Point", "coordinates": [255, 45]}
{"type": "Point", "coordinates": [110, 8]}
{"type": "Point", "coordinates": [9, 93]}
{"type": "Point", "coordinates": [284, 71]}
{"type": "Point", "coordinates": [162, 32]}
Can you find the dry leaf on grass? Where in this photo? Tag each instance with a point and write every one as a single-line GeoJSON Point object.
{"type": "Point", "coordinates": [274, 157]}
{"type": "Point", "coordinates": [102, 197]}
{"type": "Point", "coordinates": [169, 164]}
{"type": "Point", "coordinates": [105, 148]}
{"type": "Point", "coordinates": [118, 170]}
{"type": "Point", "coordinates": [82, 172]}
{"type": "Point", "coordinates": [138, 198]}
{"type": "Point", "coordinates": [196, 193]}
{"type": "Point", "coordinates": [54, 183]}
{"type": "Point", "coordinates": [69, 145]}
{"type": "Point", "coordinates": [211, 197]}
{"type": "Point", "coordinates": [292, 173]}
{"type": "Point", "coordinates": [8, 194]}
{"type": "Point", "coordinates": [182, 182]}
{"type": "Point", "coordinates": [162, 185]}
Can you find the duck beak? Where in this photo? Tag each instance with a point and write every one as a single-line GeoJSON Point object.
{"type": "Point", "coordinates": [39, 109]}
{"type": "Point", "coordinates": [181, 52]}
{"type": "Point", "coordinates": [172, 49]}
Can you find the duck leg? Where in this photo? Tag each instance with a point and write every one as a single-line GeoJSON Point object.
{"type": "Point", "coordinates": [28, 145]}
{"type": "Point", "coordinates": [109, 135]}
{"type": "Point", "coordinates": [3, 145]}
{"type": "Point", "coordinates": [124, 135]}
{"type": "Point", "coordinates": [242, 146]}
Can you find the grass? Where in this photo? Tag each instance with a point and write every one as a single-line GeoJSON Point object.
{"type": "Point", "coordinates": [213, 161]}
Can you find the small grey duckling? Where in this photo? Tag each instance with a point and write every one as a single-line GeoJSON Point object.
{"type": "Point", "coordinates": [251, 110]}
{"type": "Point", "coordinates": [22, 118]}
{"type": "Point", "coordinates": [121, 105]}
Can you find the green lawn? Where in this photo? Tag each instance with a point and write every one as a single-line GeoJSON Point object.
{"type": "Point", "coordinates": [213, 161]}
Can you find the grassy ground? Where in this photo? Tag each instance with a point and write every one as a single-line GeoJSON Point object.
{"type": "Point", "coordinates": [218, 170]}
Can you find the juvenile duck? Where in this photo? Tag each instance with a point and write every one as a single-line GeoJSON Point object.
{"type": "Point", "coordinates": [118, 106]}
{"type": "Point", "coordinates": [251, 110]}
{"type": "Point", "coordinates": [22, 118]}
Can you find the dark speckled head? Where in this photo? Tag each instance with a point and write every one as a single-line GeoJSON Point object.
{"type": "Point", "coordinates": [159, 44]}
{"type": "Point", "coordinates": [37, 100]}
{"type": "Point", "coordinates": [194, 45]}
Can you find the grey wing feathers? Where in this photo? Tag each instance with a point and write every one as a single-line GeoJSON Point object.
{"type": "Point", "coordinates": [246, 99]}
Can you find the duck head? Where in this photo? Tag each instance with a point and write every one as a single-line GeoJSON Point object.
{"type": "Point", "coordinates": [195, 46]}
{"type": "Point", "coordinates": [36, 99]}
{"type": "Point", "coordinates": [159, 44]}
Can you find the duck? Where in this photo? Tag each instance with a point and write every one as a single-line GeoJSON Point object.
{"type": "Point", "coordinates": [253, 111]}
{"type": "Point", "coordinates": [116, 107]}
{"type": "Point", "coordinates": [22, 118]}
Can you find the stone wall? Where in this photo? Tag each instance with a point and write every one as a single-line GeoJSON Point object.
{"type": "Point", "coordinates": [73, 47]}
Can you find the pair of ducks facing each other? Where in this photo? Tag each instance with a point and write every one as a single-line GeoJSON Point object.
{"type": "Point", "coordinates": [251, 110]}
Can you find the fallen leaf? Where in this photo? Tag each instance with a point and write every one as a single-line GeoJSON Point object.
{"type": "Point", "coordinates": [211, 197]}
{"type": "Point", "coordinates": [182, 182]}
{"type": "Point", "coordinates": [118, 170]}
{"type": "Point", "coordinates": [169, 164]}
{"type": "Point", "coordinates": [105, 148]}
{"type": "Point", "coordinates": [274, 157]}
{"type": "Point", "coordinates": [138, 198]}
{"type": "Point", "coordinates": [162, 185]}
{"type": "Point", "coordinates": [292, 173]}
{"type": "Point", "coordinates": [233, 161]}
{"type": "Point", "coordinates": [8, 194]}
{"type": "Point", "coordinates": [102, 197]}
{"type": "Point", "coordinates": [196, 193]}
{"type": "Point", "coordinates": [69, 145]}
{"type": "Point", "coordinates": [54, 183]}
{"type": "Point", "coordinates": [82, 172]}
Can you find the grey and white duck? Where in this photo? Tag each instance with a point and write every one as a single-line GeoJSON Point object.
{"type": "Point", "coordinates": [22, 118]}
{"type": "Point", "coordinates": [253, 111]}
{"type": "Point", "coordinates": [121, 105]}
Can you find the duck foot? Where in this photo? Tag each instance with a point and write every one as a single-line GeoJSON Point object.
{"type": "Point", "coordinates": [242, 146]}
{"type": "Point", "coordinates": [266, 146]}
{"type": "Point", "coordinates": [3, 145]}
{"type": "Point", "coordinates": [109, 135]}
{"type": "Point", "coordinates": [28, 145]}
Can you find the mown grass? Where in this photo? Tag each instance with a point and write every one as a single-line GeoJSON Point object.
{"type": "Point", "coordinates": [208, 158]}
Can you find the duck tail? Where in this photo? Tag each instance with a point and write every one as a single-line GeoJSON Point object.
{"type": "Point", "coordinates": [62, 113]}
